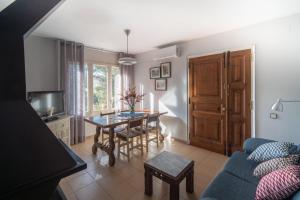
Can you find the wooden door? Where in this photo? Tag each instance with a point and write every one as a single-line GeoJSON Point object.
{"type": "Point", "coordinates": [239, 98]}
{"type": "Point", "coordinates": [207, 101]}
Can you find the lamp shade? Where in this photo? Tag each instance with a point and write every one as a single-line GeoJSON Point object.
{"type": "Point", "coordinates": [276, 105]}
{"type": "Point", "coordinates": [127, 61]}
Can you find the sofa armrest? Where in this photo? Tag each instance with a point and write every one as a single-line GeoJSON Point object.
{"type": "Point", "coordinates": [252, 143]}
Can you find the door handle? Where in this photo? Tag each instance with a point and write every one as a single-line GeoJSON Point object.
{"type": "Point", "coordinates": [223, 108]}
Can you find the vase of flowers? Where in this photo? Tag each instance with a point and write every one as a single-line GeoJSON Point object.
{"type": "Point", "coordinates": [131, 98]}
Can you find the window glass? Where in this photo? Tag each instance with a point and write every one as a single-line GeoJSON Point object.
{"type": "Point", "coordinates": [100, 81]}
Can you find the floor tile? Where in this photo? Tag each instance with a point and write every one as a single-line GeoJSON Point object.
{"type": "Point", "coordinates": [65, 186]}
{"type": "Point", "coordinates": [81, 181]}
{"type": "Point", "coordinates": [125, 180]}
{"type": "Point", "coordinates": [122, 191]}
{"type": "Point", "coordinates": [92, 192]}
{"type": "Point", "coordinates": [71, 196]}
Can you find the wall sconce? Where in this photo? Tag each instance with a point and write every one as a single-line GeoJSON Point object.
{"type": "Point", "coordinates": [278, 107]}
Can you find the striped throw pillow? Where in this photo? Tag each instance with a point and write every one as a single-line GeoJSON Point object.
{"type": "Point", "coordinates": [279, 184]}
{"type": "Point", "coordinates": [276, 163]}
{"type": "Point", "coordinates": [270, 150]}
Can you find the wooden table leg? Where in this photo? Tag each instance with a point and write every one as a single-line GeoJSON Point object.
{"type": "Point", "coordinates": [190, 181]}
{"type": "Point", "coordinates": [111, 148]}
{"type": "Point", "coordinates": [96, 139]}
{"type": "Point", "coordinates": [148, 182]}
{"type": "Point", "coordinates": [174, 191]}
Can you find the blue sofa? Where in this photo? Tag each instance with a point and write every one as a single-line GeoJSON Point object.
{"type": "Point", "coordinates": [236, 181]}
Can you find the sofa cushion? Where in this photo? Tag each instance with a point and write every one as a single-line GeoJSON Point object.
{"type": "Point", "coordinates": [239, 166]}
{"type": "Point", "coordinates": [252, 143]}
{"type": "Point", "coordinates": [295, 149]}
{"type": "Point", "coordinates": [227, 186]}
{"type": "Point", "coordinates": [279, 184]}
{"type": "Point", "coordinates": [276, 163]}
{"type": "Point", "coordinates": [271, 150]}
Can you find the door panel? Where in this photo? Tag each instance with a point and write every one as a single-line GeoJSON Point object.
{"type": "Point", "coordinates": [207, 97]}
{"type": "Point", "coordinates": [239, 98]}
{"type": "Point", "coordinates": [220, 100]}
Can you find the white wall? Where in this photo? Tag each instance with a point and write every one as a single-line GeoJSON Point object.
{"type": "Point", "coordinates": [41, 64]}
{"type": "Point", "coordinates": [277, 75]}
{"type": "Point", "coordinates": [101, 57]}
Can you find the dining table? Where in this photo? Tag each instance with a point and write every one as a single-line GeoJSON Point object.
{"type": "Point", "coordinates": [111, 122]}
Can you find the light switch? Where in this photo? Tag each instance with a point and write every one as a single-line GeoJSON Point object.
{"type": "Point", "coordinates": [273, 116]}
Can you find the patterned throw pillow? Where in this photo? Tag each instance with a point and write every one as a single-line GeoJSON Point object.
{"type": "Point", "coordinates": [270, 150]}
{"type": "Point", "coordinates": [279, 184]}
{"type": "Point", "coordinates": [276, 163]}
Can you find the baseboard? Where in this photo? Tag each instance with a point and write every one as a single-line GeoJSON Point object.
{"type": "Point", "coordinates": [89, 136]}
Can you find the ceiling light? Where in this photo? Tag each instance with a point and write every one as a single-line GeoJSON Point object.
{"type": "Point", "coordinates": [126, 60]}
{"type": "Point", "coordinates": [5, 3]}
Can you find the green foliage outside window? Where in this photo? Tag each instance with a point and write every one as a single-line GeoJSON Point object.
{"type": "Point", "coordinates": [100, 87]}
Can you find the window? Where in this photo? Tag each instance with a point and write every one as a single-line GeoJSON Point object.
{"type": "Point", "coordinates": [100, 93]}
{"type": "Point", "coordinates": [102, 88]}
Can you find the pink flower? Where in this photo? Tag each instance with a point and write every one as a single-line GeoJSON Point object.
{"type": "Point", "coordinates": [131, 97]}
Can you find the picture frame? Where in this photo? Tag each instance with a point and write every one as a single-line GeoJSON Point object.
{"type": "Point", "coordinates": [160, 84]}
{"type": "Point", "coordinates": [154, 72]}
{"type": "Point", "coordinates": [165, 69]}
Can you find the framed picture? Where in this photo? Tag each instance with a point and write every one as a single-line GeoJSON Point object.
{"type": "Point", "coordinates": [165, 70]}
{"type": "Point", "coordinates": [161, 84]}
{"type": "Point", "coordinates": [154, 72]}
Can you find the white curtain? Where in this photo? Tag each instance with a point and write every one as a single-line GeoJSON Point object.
{"type": "Point", "coordinates": [72, 76]}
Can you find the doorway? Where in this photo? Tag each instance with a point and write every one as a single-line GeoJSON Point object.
{"type": "Point", "coordinates": [220, 101]}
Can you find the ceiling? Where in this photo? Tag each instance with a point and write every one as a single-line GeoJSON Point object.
{"type": "Point", "coordinates": [5, 3]}
{"type": "Point", "coordinates": [100, 23]}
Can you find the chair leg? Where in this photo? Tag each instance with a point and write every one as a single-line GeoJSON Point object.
{"type": "Point", "coordinates": [157, 137]}
{"type": "Point", "coordinates": [119, 148]}
{"type": "Point", "coordinates": [128, 150]}
{"type": "Point", "coordinates": [142, 145]}
{"type": "Point", "coordinates": [102, 136]}
{"type": "Point", "coordinates": [147, 141]}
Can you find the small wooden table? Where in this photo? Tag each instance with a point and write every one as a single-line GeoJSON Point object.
{"type": "Point", "coordinates": [172, 169]}
{"type": "Point", "coordinates": [111, 121]}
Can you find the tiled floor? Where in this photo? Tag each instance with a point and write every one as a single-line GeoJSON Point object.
{"type": "Point", "coordinates": [125, 181]}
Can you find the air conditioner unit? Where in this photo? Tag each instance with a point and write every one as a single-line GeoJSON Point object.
{"type": "Point", "coordinates": [168, 52]}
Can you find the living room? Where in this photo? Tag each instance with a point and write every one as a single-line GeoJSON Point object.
{"type": "Point", "coordinates": [209, 98]}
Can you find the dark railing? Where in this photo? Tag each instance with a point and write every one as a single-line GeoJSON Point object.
{"type": "Point", "coordinates": [32, 159]}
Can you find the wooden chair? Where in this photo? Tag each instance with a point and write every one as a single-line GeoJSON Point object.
{"type": "Point", "coordinates": [125, 138]}
{"type": "Point", "coordinates": [152, 125]}
{"type": "Point", "coordinates": [105, 131]}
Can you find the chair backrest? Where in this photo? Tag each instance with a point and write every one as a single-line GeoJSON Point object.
{"type": "Point", "coordinates": [136, 122]}
{"type": "Point", "coordinates": [108, 113]}
{"type": "Point", "coordinates": [153, 118]}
